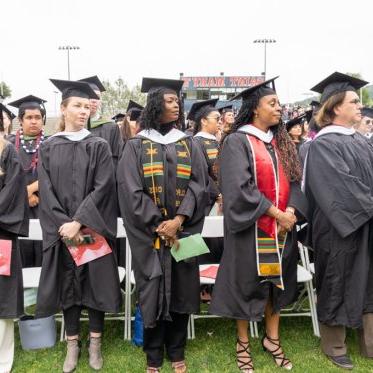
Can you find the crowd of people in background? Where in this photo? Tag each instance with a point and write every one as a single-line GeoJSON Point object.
{"type": "Point", "coordinates": [267, 169]}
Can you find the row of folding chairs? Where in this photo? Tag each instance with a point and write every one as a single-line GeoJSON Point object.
{"type": "Point", "coordinates": [213, 227]}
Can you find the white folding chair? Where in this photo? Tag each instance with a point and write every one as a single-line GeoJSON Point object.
{"type": "Point", "coordinates": [304, 276]}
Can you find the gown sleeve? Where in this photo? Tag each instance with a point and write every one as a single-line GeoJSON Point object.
{"type": "Point", "coordinates": [13, 194]}
{"type": "Point", "coordinates": [243, 203]}
{"type": "Point", "coordinates": [196, 197]}
{"type": "Point", "coordinates": [94, 212]}
{"type": "Point", "coordinates": [51, 213]}
{"type": "Point", "coordinates": [298, 201]}
{"type": "Point", "coordinates": [136, 207]}
{"type": "Point", "coordinates": [342, 197]}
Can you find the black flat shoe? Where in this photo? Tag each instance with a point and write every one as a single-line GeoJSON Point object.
{"type": "Point", "coordinates": [343, 361]}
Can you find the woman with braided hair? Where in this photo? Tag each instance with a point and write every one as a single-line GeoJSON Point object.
{"type": "Point", "coordinates": [162, 186]}
{"type": "Point", "coordinates": [259, 180]}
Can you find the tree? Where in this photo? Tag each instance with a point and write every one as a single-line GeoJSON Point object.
{"type": "Point", "coordinates": [117, 95]}
{"type": "Point", "coordinates": [5, 90]}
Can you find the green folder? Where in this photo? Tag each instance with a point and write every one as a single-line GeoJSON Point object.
{"type": "Point", "coordinates": [189, 247]}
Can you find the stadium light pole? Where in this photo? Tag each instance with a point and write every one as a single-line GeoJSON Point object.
{"type": "Point", "coordinates": [265, 42]}
{"type": "Point", "coordinates": [68, 48]}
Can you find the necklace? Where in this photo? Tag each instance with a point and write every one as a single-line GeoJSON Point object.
{"type": "Point", "coordinates": [33, 149]}
{"type": "Point", "coordinates": [31, 146]}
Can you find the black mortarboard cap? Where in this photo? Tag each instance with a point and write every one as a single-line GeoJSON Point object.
{"type": "Point", "coordinates": [118, 116]}
{"type": "Point", "coordinates": [134, 105]}
{"type": "Point", "coordinates": [225, 108]}
{"type": "Point", "coordinates": [135, 114]}
{"type": "Point", "coordinates": [263, 89]}
{"type": "Point", "coordinates": [315, 104]}
{"type": "Point", "coordinates": [6, 110]}
{"type": "Point", "coordinates": [94, 82]}
{"type": "Point", "coordinates": [70, 88]}
{"type": "Point", "coordinates": [298, 120]}
{"type": "Point", "coordinates": [29, 101]}
{"type": "Point", "coordinates": [197, 106]}
{"type": "Point", "coordinates": [337, 83]}
{"type": "Point", "coordinates": [154, 83]}
{"type": "Point", "coordinates": [367, 112]}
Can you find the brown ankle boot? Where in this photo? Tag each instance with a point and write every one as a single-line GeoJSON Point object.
{"type": "Point", "coordinates": [95, 357]}
{"type": "Point", "coordinates": [72, 355]}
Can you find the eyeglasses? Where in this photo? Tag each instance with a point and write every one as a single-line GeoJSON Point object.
{"type": "Point", "coordinates": [217, 118]}
{"type": "Point", "coordinates": [369, 121]}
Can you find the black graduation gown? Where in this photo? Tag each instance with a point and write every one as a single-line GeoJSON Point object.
{"type": "Point", "coordinates": [163, 285]}
{"type": "Point", "coordinates": [303, 149]}
{"type": "Point", "coordinates": [110, 132]}
{"type": "Point", "coordinates": [13, 223]}
{"type": "Point", "coordinates": [31, 251]}
{"type": "Point", "coordinates": [76, 182]}
{"type": "Point", "coordinates": [239, 292]}
{"type": "Point", "coordinates": [339, 182]}
{"type": "Point", "coordinates": [215, 245]}
{"type": "Point", "coordinates": [213, 186]}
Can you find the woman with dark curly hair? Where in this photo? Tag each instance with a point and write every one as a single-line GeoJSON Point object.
{"type": "Point", "coordinates": [162, 186]}
{"type": "Point", "coordinates": [259, 180]}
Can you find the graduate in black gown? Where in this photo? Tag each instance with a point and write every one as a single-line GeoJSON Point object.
{"type": "Point", "coordinates": [206, 126]}
{"type": "Point", "coordinates": [339, 187]}
{"type": "Point", "coordinates": [259, 179]}
{"type": "Point", "coordinates": [162, 186]}
{"type": "Point", "coordinates": [77, 184]}
{"type": "Point", "coordinates": [13, 223]}
{"type": "Point", "coordinates": [27, 141]}
{"type": "Point", "coordinates": [227, 118]}
{"type": "Point", "coordinates": [7, 118]}
{"type": "Point", "coordinates": [295, 130]}
{"type": "Point", "coordinates": [130, 125]}
{"type": "Point", "coordinates": [102, 127]}
{"type": "Point", "coordinates": [313, 128]}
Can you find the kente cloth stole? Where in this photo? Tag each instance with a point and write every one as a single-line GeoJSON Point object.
{"type": "Point", "coordinates": [211, 152]}
{"type": "Point", "coordinates": [154, 174]}
{"type": "Point", "coordinates": [275, 186]}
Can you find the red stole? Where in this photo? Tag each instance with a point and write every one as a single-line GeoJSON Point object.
{"type": "Point", "coordinates": [275, 186]}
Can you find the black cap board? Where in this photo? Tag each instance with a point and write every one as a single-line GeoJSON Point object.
{"type": "Point", "coordinates": [118, 116]}
{"type": "Point", "coordinates": [70, 88]}
{"type": "Point", "coordinates": [263, 89]}
{"type": "Point", "coordinates": [315, 104]}
{"type": "Point", "coordinates": [197, 106]}
{"type": "Point", "coordinates": [94, 82]}
{"type": "Point", "coordinates": [28, 101]}
{"type": "Point", "coordinates": [6, 110]}
{"type": "Point", "coordinates": [295, 121]}
{"type": "Point", "coordinates": [135, 114]}
{"type": "Point", "coordinates": [337, 83]}
{"type": "Point", "coordinates": [134, 105]}
{"type": "Point", "coordinates": [225, 109]}
{"type": "Point", "coordinates": [154, 83]}
{"type": "Point", "coordinates": [367, 112]}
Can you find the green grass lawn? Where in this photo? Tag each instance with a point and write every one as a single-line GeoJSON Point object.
{"type": "Point", "coordinates": [211, 351]}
